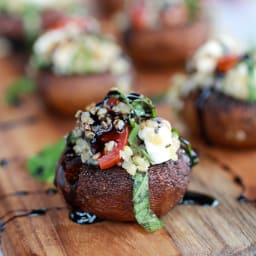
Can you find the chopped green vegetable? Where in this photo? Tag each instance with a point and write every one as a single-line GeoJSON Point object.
{"type": "Point", "coordinates": [144, 108]}
{"type": "Point", "coordinates": [18, 88]}
{"type": "Point", "coordinates": [145, 154]}
{"type": "Point", "coordinates": [42, 166]}
{"type": "Point", "coordinates": [175, 131]}
{"type": "Point", "coordinates": [143, 214]}
{"type": "Point", "coordinates": [134, 132]}
{"type": "Point", "coordinates": [193, 156]}
{"type": "Point", "coordinates": [81, 62]}
{"type": "Point", "coordinates": [193, 8]}
{"type": "Point", "coordinates": [134, 143]}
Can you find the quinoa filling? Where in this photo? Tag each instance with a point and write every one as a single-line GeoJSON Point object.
{"type": "Point", "coordinates": [123, 130]}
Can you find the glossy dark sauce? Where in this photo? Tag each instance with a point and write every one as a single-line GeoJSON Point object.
{"type": "Point", "coordinates": [29, 213]}
{"type": "Point", "coordinates": [21, 213]}
{"type": "Point", "coordinates": [242, 198]}
{"type": "Point", "coordinates": [21, 193]}
{"type": "Point", "coordinates": [191, 153]}
{"type": "Point", "coordinates": [200, 107]}
{"type": "Point", "coordinates": [4, 163]}
{"type": "Point", "coordinates": [83, 218]}
{"type": "Point", "coordinates": [8, 125]}
{"type": "Point", "coordinates": [237, 180]}
{"type": "Point", "coordinates": [199, 199]}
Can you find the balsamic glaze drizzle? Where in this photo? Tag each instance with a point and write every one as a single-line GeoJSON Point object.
{"type": "Point", "coordinates": [242, 197]}
{"type": "Point", "coordinates": [236, 179]}
{"type": "Point", "coordinates": [192, 154]}
{"type": "Point", "coordinates": [7, 125]}
{"type": "Point", "coordinates": [28, 213]}
{"type": "Point", "coordinates": [83, 218]}
{"type": "Point", "coordinates": [21, 193]}
{"type": "Point", "coordinates": [4, 163]}
{"type": "Point", "coordinates": [200, 103]}
{"type": "Point", "coordinates": [200, 199]}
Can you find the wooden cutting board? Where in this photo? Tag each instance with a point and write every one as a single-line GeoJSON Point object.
{"type": "Point", "coordinates": [228, 229]}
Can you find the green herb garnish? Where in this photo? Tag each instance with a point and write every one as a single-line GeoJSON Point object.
{"type": "Point", "coordinates": [42, 166]}
{"type": "Point", "coordinates": [193, 156]}
{"type": "Point", "coordinates": [251, 80]}
{"type": "Point", "coordinates": [143, 108]}
{"type": "Point", "coordinates": [193, 8]}
{"type": "Point", "coordinates": [134, 132]}
{"type": "Point", "coordinates": [141, 204]}
{"type": "Point", "coordinates": [18, 88]}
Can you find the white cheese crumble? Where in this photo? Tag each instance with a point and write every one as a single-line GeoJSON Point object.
{"type": "Point", "coordinates": [203, 64]}
{"type": "Point", "coordinates": [71, 50]}
{"type": "Point", "coordinates": [205, 59]}
{"type": "Point", "coordinates": [18, 6]}
{"type": "Point", "coordinates": [235, 82]}
{"type": "Point", "coordinates": [161, 144]}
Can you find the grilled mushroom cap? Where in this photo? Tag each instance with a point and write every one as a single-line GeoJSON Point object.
{"type": "Point", "coordinates": [165, 46]}
{"type": "Point", "coordinates": [221, 119]}
{"type": "Point", "coordinates": [108, 193]}
{"type": "Point", "coordinates": [67, 94]}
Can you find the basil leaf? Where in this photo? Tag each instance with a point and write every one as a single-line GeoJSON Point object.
{"type": "Point", "coordinates": [192, 154]}
{"type": "Point", "coordinates": [18, 88]}
{"type": "Point", "coordinates": [141, 205]}
{"type": "Point", "coordinates": [42, 166]}
{"type": "Point", "coordinates": [134, 132]}
{"type": "Point", "coordinates": [144, 108]}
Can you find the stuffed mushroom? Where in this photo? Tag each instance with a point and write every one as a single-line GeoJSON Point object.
{"type": "Point", "coordinates": [217, 97]}
{"type": "Point", "coordinates": [160, 33]}
{"type": "Point", "coordinates": [75, 65]}
{"type": "Point", "coordinates": [124, 163]}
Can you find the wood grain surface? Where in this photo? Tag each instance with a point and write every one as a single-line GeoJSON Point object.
{"type": "Point", "coordinates": [228, 229]}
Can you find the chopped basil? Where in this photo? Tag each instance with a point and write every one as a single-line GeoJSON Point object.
{"type": "Point", "coordinates": [193, 156]}
{"type": "Point", "coordinates": [251, 81]}
{"type": "Point", "coordinates": [18, 88]}
{"type": "Point", "coordinates": [141, 106]}
{"type": "Point", "coordinates": [145, 153]}
{"type": "Point", "coordinates": [175, 131]}
{"type": "Point", "coordinates": [134, 143]}
{"type": "Point", "coordinates": [42, 166]}
{"type": "Point", "coordinates": [141, 204]}
{"type": "Point", "coordinates": [193, 8]}
{"type": "Point", "coordinates": [81, 62]}
{"type": "Point", "coordinates": [144, 108]}
{"type": "Point", "coordinates": [134, 132]}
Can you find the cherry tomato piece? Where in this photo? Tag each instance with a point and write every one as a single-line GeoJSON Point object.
{"type": "Point", "coordinates": [112, 158]}
{"type": "Point", "coordinates": [227, 62]}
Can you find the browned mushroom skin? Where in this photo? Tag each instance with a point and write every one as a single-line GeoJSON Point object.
{"type": "Point", "coordinates": [12, 28]}
{"type": "Point", "coordinates": [222, 120]}
{"type": "Point", "coordinates": [68, 93]}
{"type": "Point", "coordinates": [165, 46]}
{"type": "Point", "coordinates": [108, 193]}
{"type": "Point", "coordinates": [109, 7]}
